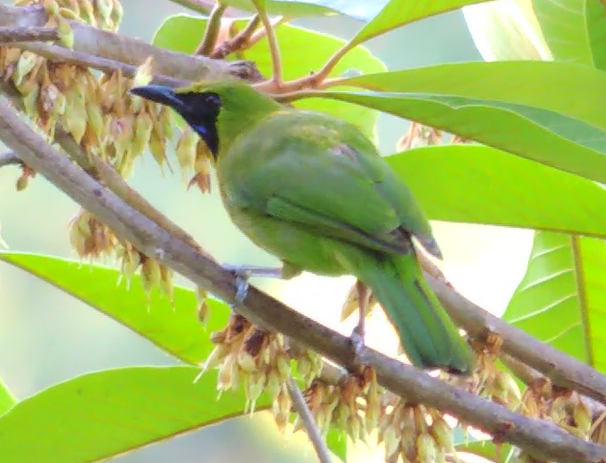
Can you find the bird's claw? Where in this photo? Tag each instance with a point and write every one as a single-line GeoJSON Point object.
{"type": "Point", "coordinates": [242, 276]}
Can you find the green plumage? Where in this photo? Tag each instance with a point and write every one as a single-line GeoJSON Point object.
{"type": "Point", "coordinates": [314, 192]}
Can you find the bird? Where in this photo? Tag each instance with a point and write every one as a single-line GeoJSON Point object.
{"type": "Point", "coordinates": [312, 190]}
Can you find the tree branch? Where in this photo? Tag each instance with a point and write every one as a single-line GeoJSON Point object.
{"type": "Point", "coordinates": [540, 438]}
{"type": "Point", "coordinates": [9, 158]}
{"type": "Point", "coordinates": [27, 34]}
{"type": "Point", "coordinates": [116, 48]}
{"type": "Point", "coordinates": [562, 369]}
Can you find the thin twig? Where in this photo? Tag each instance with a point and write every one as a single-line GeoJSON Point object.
{"type": "Point", "coordinates": [315, 436]}
{"type": "Point", "coordinates": [274, 47]}
{"type": "Point", "coordinates": [27, 34]}
{"type": "Point", "coordinates": [540, 438]}
{"type": "Point", "coordinates": [314, 80]}
{"type": "Point", "coordinates": [213, 27]}
{"type": "Point", "coordinates": [239, 41]}
{"type": "Point", "coordinates": [9, 158]}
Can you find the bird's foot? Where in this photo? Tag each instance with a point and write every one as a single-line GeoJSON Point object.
{"type": "Point", "coordinates": [242, 275]}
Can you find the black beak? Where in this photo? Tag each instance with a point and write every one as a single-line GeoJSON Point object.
{"type": "Point", "coordinates": [159, 94]}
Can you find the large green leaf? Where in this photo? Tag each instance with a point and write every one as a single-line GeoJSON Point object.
{"type": "Point", "coordinates": [183, 33]}
{"type": "Point", "coordinates": [575, 30]}
{"type": "Point", "coordinates": [398, 13]}
{"type": "Point", "coordinates": [561, 298]}
{"type": "Point", "coordinates": [479, 184]}
{"type": "Point", "coordinates": [7, 400]}
{"type": "Point", "coordinates": [103, 414]}
{"type": "Point", "coordinates": [540, 135]}
{"type": "Point", "coordinates": [176, 330]}
{"type": "Point", "coordinates": [559, 87]}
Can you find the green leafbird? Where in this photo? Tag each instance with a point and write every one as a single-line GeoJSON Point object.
{"type": "Point", "coordinates": [313, 191]}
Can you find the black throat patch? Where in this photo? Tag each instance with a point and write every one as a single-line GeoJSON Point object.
{"type": "Point", "coordinates": [200, 111]}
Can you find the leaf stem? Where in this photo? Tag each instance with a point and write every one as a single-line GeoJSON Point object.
{"type": "Point", "coordinates": [211, 34]}
{"type": "Point", "coordinates": [274, 47]}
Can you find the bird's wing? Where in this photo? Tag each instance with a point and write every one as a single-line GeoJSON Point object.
{"type": "Point", "coordinates": [309, 175]}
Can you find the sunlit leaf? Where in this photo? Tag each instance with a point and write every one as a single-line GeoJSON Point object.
{"type": "Point", "coordinates": [103, 414]}
{"type": "Point", "coordinates": [478, 184]}
{"type": "Point", "coordinates": [398, 13]}
{"type": "Point", "coordinates": [506, 30]}
{"type": "Point", "coordinates": [7, 400]}
{"type": "Point", "coordinates": [176, 330]}
{"type": "Point", "coordinates": [561, 298]}
{"type": "Point", "coordinates": [575, 30]}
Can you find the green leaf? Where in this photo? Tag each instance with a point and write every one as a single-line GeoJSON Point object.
{"type": "Point", "coordinates": [561, 298]}
{"type": "Point", "coordinates": [300, 8]}
{"type": "Point", "coordinates": [536, 134]}
{"type": "Point", "coordinates": [575, 30]}
{"type": "Point", "coordinates": [336, 440]}
{"type": "Point", "coordinates": [486, 449]}
{"type": "Point", "coordinates": [103, 414]}
{"type": "Point", "coordinates": [176, 330]}
{"type": "Point", "coordinates": [558, 87]}
{"type": "Point", "coordinates": [398, 13]}
{"type": "Point", "coordinates": [7, 400]}
{"type": "Point", "coordinates": [478, 184]}
{"type": "Point", "coordinates": [183, 33]}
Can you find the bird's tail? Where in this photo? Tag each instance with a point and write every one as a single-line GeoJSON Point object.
{"type": "Point", "coordinates": [428, 335]}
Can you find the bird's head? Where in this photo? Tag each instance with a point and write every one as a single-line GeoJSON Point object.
{"type": "Point", "coordinates": [207, 106]}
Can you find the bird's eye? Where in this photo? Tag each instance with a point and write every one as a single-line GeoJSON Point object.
{"type": "Point", "coordinates": [212, 100]}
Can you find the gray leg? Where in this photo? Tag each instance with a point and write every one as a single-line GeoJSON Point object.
{"type": "Point", "coordinates": [357, 335]}
{"type": "Point", "coordinates": [244, 272]}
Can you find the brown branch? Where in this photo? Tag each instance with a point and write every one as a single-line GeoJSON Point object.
{"type": "Point", "coordinates": [27, 34]}
{"type": "Point", "coordinates": [9, 158]}
{"type": "Point", "coordinates": [540, 438]}
{"type": "Point", "coordinates": [92, 42]}
{"type": "Point", "coordinates": [562, 369]}
{"type": "Point", "coordinates": [239, 41]}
